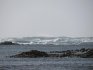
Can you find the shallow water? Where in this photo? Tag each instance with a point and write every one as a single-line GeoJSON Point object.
{"type": "Point", "coordinates": [7, 63]}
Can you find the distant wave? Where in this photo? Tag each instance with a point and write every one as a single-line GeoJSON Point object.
{"type": "Point", "coordinates": [51, 40]}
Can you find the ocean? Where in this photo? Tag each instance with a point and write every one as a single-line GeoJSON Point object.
{"type": "Point", "coordinates": [43, 63]}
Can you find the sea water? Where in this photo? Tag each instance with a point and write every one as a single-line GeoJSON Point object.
{"type": "Point", "coordinates": [46, 63]}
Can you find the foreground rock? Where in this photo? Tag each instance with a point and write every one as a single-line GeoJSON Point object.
{"type": "Point", "coordinates": [82, 53]}
{"type": "Point", "coordinates": [88, 54]}
{"type": "Point", "coordinates": [32, 54]}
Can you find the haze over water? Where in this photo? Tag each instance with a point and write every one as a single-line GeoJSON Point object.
{"type": "Point", "coordinates": [28, 18]}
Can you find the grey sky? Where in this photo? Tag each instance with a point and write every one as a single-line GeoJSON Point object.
{"type": "Point", "coordinates": [19, 18]}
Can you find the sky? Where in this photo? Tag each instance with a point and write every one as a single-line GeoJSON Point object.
{"type": "Point", "coordinates": [28, 18]}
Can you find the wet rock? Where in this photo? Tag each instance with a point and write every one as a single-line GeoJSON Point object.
{"type": "Point", "coordinates": [83, 53]}
{"type": "Point", "coordinates": [88, 54]}
{"type": "Point", "coordinates": [8, 43]}
{"type": "Point", "coordinates": [32, 54]}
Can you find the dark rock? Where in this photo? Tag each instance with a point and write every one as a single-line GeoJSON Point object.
{"type": "Point", "coordinates": [88, 54]}
{"type": "Point", "coordinates": [8, 43]}
{"type": "Point", "coordinates": [83, 53]}
{"type": "Point", "coordinates": [82, 49]}
{"type": "Point", "coordinates": [32, 54]}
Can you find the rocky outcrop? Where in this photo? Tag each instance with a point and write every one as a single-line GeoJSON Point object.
{"type": "Point", "coordinates": [8, 43]}
{"type": "Point", "coordinates": [31, 54]}
{"type": "Point", "coordinates": [88, 54]}
{"type": "Point", "coordinates": [82, 53]}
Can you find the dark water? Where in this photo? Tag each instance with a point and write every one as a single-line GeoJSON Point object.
{"type": "Point", "coordinates": [7, 63]}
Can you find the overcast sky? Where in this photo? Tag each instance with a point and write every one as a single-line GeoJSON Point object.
{"type": "Point", "coordinates": [22, 18]}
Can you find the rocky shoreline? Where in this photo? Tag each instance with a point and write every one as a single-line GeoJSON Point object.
{"type": "Point", "coordinates": [82, 53]}
{"type": "Point", "coordinates": [8, 43]}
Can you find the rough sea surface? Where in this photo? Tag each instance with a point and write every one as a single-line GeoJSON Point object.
{"type": "Point", "coordinates": [47, 63]}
